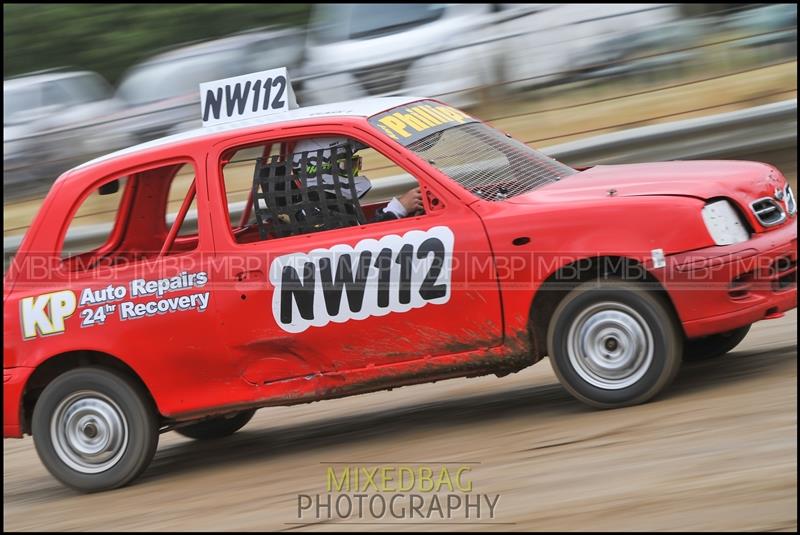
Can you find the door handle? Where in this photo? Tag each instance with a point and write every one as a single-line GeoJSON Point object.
{"type": "Point", "coordinates": [249, 281]}
{"type": "Point", "coordinates": [249, 275]}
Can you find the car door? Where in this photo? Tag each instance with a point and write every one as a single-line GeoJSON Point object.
{"type": "Point", "coordinates": [349, 298]}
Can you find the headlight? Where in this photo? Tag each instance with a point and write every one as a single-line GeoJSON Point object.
{"type": "Point", "coordinates": [789, 200]}
{"type": "Point", "coordinates": [724, 224]}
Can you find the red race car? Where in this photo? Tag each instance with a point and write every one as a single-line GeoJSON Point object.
{"type": "Point", "coordinates": [246, 264]}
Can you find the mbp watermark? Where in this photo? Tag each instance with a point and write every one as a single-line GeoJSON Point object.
{"type": "Point", "coordinates": [392, 492]}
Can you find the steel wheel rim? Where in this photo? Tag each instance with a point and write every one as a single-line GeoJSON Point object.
{"type": "Point", "coordinates": [89, 432]}
{"type": "Point", "coordinates": [610, 345]}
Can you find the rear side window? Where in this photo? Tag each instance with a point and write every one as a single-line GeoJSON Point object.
{"type": "Point", "coordinates": [178, 191]}
{"type": "Point", "coordinates": [143, 216]}
{"type": "Point", "coordinates": [94, 221]}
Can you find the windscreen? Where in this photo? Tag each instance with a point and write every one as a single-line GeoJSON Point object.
{"type": "Point", "coordinates": [481, 159]}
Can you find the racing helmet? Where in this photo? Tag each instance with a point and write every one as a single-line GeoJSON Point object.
{"type": "Point", "coordinates": [310, 149]}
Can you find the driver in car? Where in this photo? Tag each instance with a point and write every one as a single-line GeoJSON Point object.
{"type": "Point", "coordinates": [410, 203]}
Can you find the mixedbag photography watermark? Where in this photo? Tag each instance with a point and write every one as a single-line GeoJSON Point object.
{"type": "Point", "coordinates": [396, 492]}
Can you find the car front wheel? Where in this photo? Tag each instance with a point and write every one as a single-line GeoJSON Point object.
{"type": "Point", "coordinates": [94, 429]}
{"type": "Point", "coordinates": [614, 343]}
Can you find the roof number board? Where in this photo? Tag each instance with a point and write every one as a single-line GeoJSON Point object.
{"type": "Point", "coordinates": [247, 96]}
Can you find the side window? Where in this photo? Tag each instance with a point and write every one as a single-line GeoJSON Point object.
{"type": "Point", "coordinates": [380, 168]}
{"type": "Point", "coordinates": [55, 93]}
{"type": "Point", "coordinates": [238, 170]}
{"type": "Point", "coordinates": [294, 187]}
{"type": "Point", "coordinates": [87, 88]}
{"type": "Point", "coordinates": [92, 225]}
{"type": "Point", "coordinates": [142, 216]}
{"type": "Point", "coordinates": [178, 191]}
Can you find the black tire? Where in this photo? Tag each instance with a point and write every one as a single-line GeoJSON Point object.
{"type": "Point", "coordinates": [714, 346]}
{"type": "Point", "coordinates": [605, 306]}
{"type": "Point", "coordinates": [105, 392]}
{"type": "Point", "coordinates": [217, 427]}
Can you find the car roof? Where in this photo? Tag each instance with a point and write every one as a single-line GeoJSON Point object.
{"type": "Point", "coordinates": [365, 107]}
{"type": "Point", "coordinates": [34, 79]}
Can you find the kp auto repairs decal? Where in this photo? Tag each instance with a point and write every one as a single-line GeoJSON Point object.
{"type": "Point", "coordinates": [45, 314]}
{"type": "Point", "coordinates": [374, 278]}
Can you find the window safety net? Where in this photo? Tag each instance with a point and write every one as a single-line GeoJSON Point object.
{"type": "Point", "coordinates": [306, 195]}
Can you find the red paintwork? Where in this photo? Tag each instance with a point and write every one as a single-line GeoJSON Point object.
{"type": "Point", "coordinates": [233, 355]}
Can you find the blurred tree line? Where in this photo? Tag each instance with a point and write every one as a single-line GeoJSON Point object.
{"type": "Point", "coordinates": [109, 38]}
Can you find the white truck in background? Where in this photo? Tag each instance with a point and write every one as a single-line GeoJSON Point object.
{"type": "Point", "coordinates": [454, 51]}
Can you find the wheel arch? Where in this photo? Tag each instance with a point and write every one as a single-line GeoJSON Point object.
{"type": "Point", "coordinates": [58, 364]}
{"type": "Point", "coordinates": [564, 279]}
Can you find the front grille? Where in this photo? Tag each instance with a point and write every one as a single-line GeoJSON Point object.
{"type": "Point", "coordinates": [384, 78]}
{"type": "Point", "coordinates": [768, 211]}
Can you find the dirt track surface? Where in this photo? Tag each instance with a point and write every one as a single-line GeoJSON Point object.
{"type": "Point", "coordinates": [718, 451]}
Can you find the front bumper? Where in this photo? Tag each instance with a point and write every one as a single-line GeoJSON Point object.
{"type": "Point", "coordinates": [722, 288]}
{"type": "Point", "coordinates": [14, 380]}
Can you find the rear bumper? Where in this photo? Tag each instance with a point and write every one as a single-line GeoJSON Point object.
{"type": "Point", "coordinates": [718, 289]}
{"type": "Point", "coordinates": [14, 380]}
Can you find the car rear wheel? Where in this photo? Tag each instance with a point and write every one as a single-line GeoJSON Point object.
{"type": "Point", "coordinates": [218, 427]}
{"type": "Point", "coordinates": [94, 429]}
{"type": "Point", "coordinates": [716, 345]}
{"type": "Point", "coordinates": [613, 343]}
